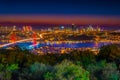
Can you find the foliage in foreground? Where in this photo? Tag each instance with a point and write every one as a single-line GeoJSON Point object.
{"type": "Point", "coordinates": [66, 70]}
{"type": "Point", "coordinates": [103, 71]}
{"type": "Point", "coordinates": [78, 65]}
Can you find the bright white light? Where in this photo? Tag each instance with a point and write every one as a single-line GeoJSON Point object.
{"type": "Point", "coordinates": [62, 27]}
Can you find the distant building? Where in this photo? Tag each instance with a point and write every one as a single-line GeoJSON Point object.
{"type": "Point", "coordinates": [24, 29]}
{"type": "Point", "coordinates": [90, 28]}
{"type": "Point", "coordinates": [14, 28]}
{"type": "Point", "coordinates": [5, 29]}
{"type": "Point", "coordinates": [73, 27]}
{"type": "Point", "coordinates": [27, 28]}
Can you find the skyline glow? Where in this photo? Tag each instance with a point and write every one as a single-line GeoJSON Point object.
{"type": "Point", "coordinates": [62, 19]}
{"type": "Point", "coordinates": [83, 12]}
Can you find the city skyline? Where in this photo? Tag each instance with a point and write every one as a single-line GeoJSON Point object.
{"type": "Point", "coordinates": [59, 39]}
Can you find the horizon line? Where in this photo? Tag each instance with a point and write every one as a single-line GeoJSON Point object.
{"type": "Point", "coordinates": [61, 19]}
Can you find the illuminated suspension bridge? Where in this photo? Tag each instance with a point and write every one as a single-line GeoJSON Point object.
{"type": "Point", "coordinates": [13, 40]}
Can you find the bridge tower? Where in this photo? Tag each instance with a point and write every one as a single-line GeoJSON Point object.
{"type": "Point", "coordinates": [13, 37]}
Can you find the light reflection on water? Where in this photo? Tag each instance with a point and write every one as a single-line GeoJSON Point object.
{"type": "Point", "coordinates": [29, 45]}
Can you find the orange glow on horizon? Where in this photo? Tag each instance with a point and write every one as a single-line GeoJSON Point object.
{"type": "Point", "coordinates": [61, 19]}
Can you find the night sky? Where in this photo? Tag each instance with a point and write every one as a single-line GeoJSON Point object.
{"type": "Point", "coordinates": [55, 11]}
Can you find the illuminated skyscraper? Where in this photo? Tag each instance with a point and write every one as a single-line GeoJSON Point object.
{"type": "Point", "coordinates": [73, 27]}
{"type": "Point", "coordinates": [24, 29]}
{"type": "Point", "coordinates": [98, 28]}
{"type": "Point", "coordinates": [90, 28]}
{"type": "Point", "coordinates": [30, 28]}
{"type": "Point", "coordinates": [27, 28]}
